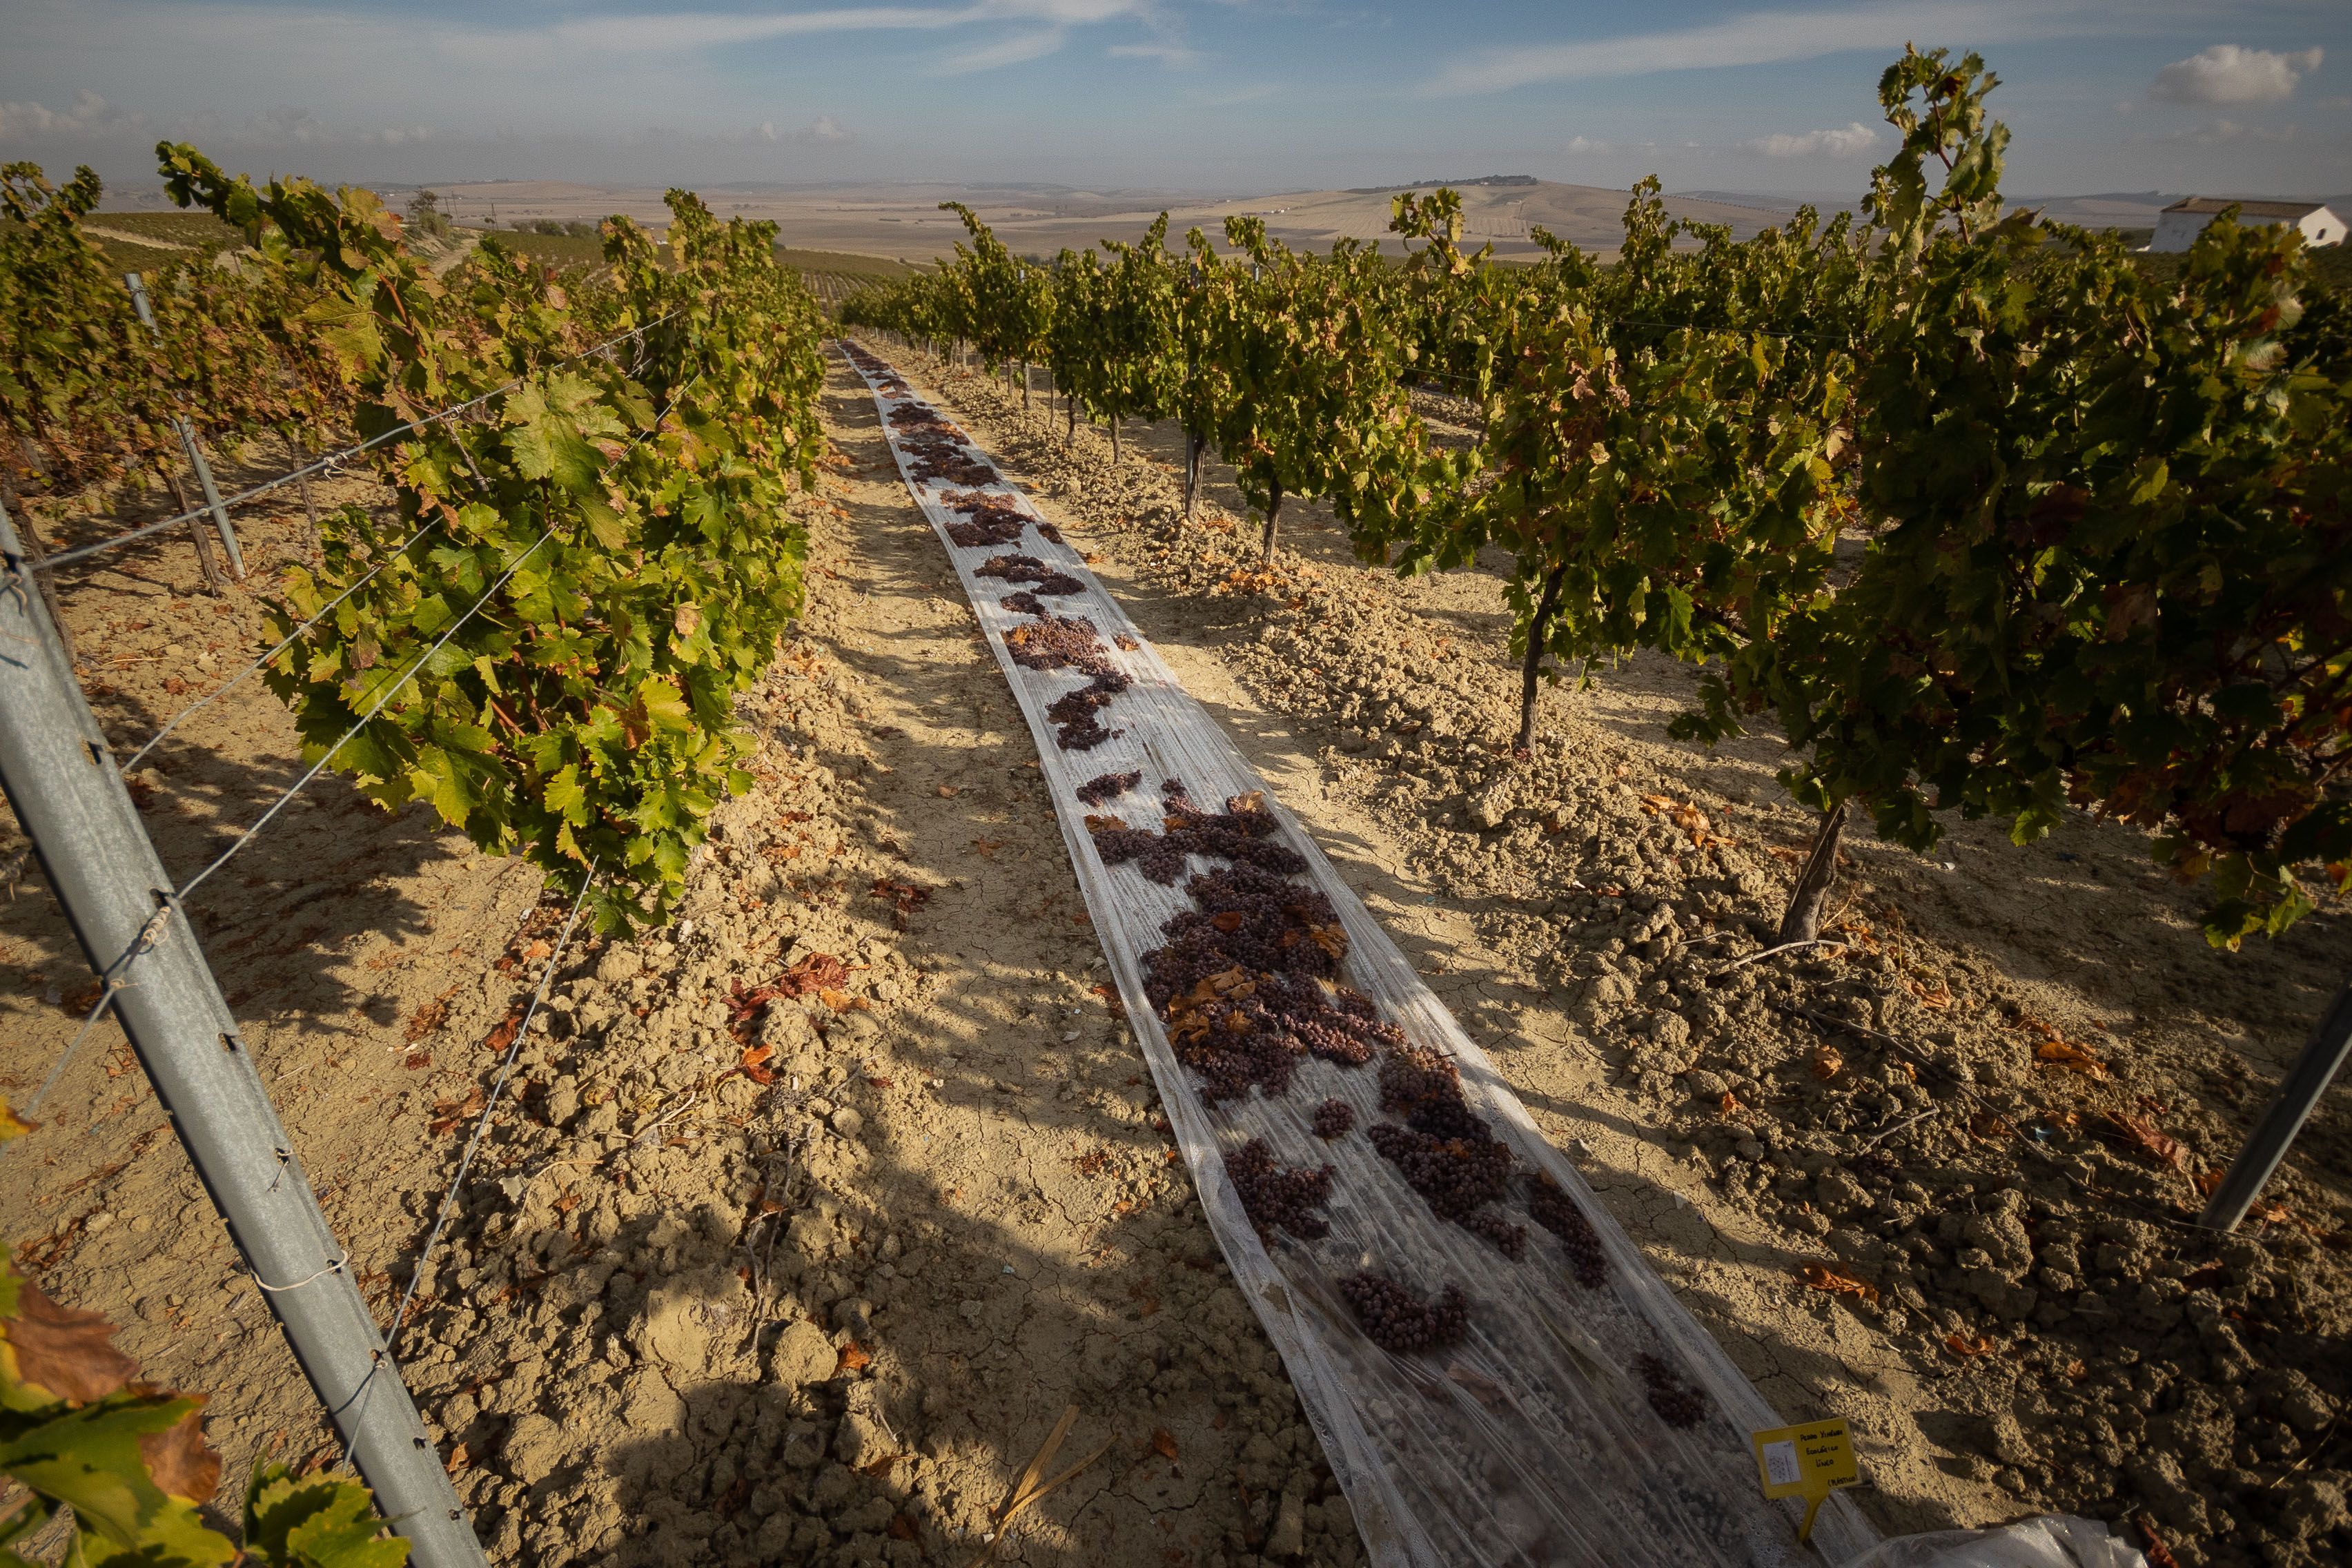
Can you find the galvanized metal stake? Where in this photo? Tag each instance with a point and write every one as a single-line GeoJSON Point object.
{"type": "Point", "coordinates": [2298, 1092]}
{"type": "Point", "coordinates": [69, 799]}
{"type": "Point", "coordinates": [188, 441]}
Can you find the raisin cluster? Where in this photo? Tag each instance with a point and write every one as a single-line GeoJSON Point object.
{"type": "Point", "coordinates": [1073, 712]}
{"type": "Point", "coordinates": [1398, 1321]}
{"type": "Point", "coordinates": [914, 422]}
{"type": "Point", "coordinates": [1414, 1074]}
{"type": "Point", "coordinates": [1240, 833]}
{"type": "Point", "coordinates": [1510, 1240]}
{"type": "Point", "coordinates": [1456, 1176]}
{"type": "Point", "coordinates": [990, 520]}
{"type": "Point", "coordinates": [1445, 1150]}
{"type": "Point", "coordinates": [1056, 642]}
{"type": "Point", "coordinates": [1049, 582]}
{"type": "Point", "coordinates": [939, 456]}
{"type": "Point", "coordinates": [1260, 920]}
{"type": "Point", "coordinates": [1554, 1210]}
{"type": "Point", "coordinates": [1277, 1198]}
{"type": "Point", "coordinates": [1679, 1405]}
{"type": "Point", "coordinates": [1334, 1119]}
{"type": "Point", "coordinates": [1334, 1024]}
{"type": "Point", "coordinates": [1220, 1029]}
{"type": "Point", "coordinates": [1105, 787]}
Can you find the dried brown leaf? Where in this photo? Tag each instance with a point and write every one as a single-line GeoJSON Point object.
{"type": "Point", "coordinates": [61, 1350]}
{"type": "Point", "coordinates": [1838, 1282]}
{"type": "Point", "coordinates": [180, 1462]}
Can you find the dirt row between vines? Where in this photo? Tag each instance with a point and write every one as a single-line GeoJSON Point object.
{"type": "Point", "coordinates": [1936, 1182]}
{"type": "Point", "coordinates": [809, 1215]}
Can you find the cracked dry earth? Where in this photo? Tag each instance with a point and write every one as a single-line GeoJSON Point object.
{"type": "Point", "coordinates": [1937, 1181]}
{"type": "Point", "coordinates": [810, 1215]}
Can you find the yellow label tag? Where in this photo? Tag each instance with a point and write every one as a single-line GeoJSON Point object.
{"type": "Point", "coordinates": [1809, 1461]}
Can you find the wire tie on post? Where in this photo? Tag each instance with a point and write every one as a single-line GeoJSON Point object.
{"type": "Point", "coordinates": [334, 1268]}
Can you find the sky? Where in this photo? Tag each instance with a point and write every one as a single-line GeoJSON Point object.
{"type": "Point", "coordinates": [2242, 96]}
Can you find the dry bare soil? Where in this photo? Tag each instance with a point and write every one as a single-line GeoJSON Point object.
{"type": "Point", "coordinates": [808, 1217]}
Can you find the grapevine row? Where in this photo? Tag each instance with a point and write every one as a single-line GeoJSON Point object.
{"type": "Point", "coordinates": [1987, 518]}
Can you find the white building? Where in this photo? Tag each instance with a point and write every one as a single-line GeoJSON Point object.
{"type": "Point", "coordinates": [2178, 225]}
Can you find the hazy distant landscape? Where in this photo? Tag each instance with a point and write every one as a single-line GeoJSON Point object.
{"type": "Point", "coordinates": [904, 220]}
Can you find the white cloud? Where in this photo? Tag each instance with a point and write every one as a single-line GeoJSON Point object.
{"type": "Point", "coordinates": [1586, 145]}
{"type": "Point", "coordinates": [671, 33]}
{"type": "Point", "coordinates": [2228, 74]}
{"type": "Point", "coordinates": [825, 129]}
{"type": "Point", "coordinates": [90, 116]}
{"type": "Point", "coordinates": [656, 33]}
{"type": "Point", "coordinates": [1166, 53]}
{"type": "Point", "coordinates": [1855, 140]}
{"type": "Point", "coordinates": [2216, 132]}
{"type": "Point", "coordinates": [288, 125]}
{"type": "Point", "coordinates": [1760, 38]}
{"type": "Point", "coordinates": [1009, 51]}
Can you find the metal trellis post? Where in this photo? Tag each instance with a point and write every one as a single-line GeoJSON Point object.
{"type": "Point", "coordinates": [2298, 1092]}
{"type": "Point", "coordinates": [188, 440]}
{"type": "Point", "coordinates": [70, 798]}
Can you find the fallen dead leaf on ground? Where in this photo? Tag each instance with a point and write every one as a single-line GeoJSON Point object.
{"type": "Point", "coordinates": [1838, 1282]}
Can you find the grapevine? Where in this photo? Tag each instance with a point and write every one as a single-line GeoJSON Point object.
{"type": "Point", "coordinates": [612, 556]}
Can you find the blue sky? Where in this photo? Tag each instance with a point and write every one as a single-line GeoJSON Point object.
{"type": "Point", "coordinates": [1228, 95]}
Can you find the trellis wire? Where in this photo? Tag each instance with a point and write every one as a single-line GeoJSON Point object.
{"type": "Point", "coordinates": [481, 1126]}
{"type": "Point", "coordinates": [366, 719]}
{"type": "Point", "coordinates": [330, 463]}
{"type": "Point", "coordinates": [102, 867]}
{"type": "Point", "coordinates": [218, 692]}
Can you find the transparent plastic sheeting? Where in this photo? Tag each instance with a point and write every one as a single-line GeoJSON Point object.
{"type": "Point", "coordinates": [1532, 1440]}
{"type": "Point", "coordinates": [2053, 1541]}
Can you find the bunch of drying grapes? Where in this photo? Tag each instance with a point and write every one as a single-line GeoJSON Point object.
{"type": "Point", "coordinates": [1294, 925]}
{"type": "Point", "coordinates": [1250, 933]}
{"type": "Point", "coordinates": [1118, 844]}
{"type": "Point", "coordinates": [1024, 602]}
{"type": "Point", "coordinates": [1177, 969]}
{"type": "Point", "coordinates": [1049, 582]}
{"type": "Point", "coordinates": [1073, 705]}
{"type": "Point", "coordinates": [1105, 787]}
{"type": "Point", "coordinates": [1456, 1176]}
{"type": "Point", "coordinates": [1073, 712]}
{"type": "Point", "coordinates": [1557, 1213]}
{"type": "Point", "coordinates": [911, 418]}
{"type": "Point", "coordinates": [1334, 1119]}
{"type": "Point", "coordinates": [1511, 1239]}
{"type": "Point", "coordinates": [1678, 1403]}
{"type": "Point", "coordinates": [1398, 1321]}
{"type": "Point", "coordinates": [1003, 528]}
{"type": "Point", "coordinates": [940, 457]}
{"type": "Point", "coordinates": [1412, 1074]}
{"type": "Point", "coordinates": [1237, 835]}
{"type": "Point", "coordinates": [1348, 1029]}
{"type": "Point", "coordinates": [1338, 1036]}
{"type": "Point", "coordinates": [1274, 1197]}
{"type": "Point", "coordinates": [992, 520]}
{"type": "Point", "coordinates": [1084, 734]}
{"type": "Point", "coordinates": [1322, 1023]}
{"type": "Point", "coordinates": [1224, 1042]}
{"type": "Point", "coordinates": [1161, 859]}
{"type": "Point", "coordinates": [1056, 642]}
